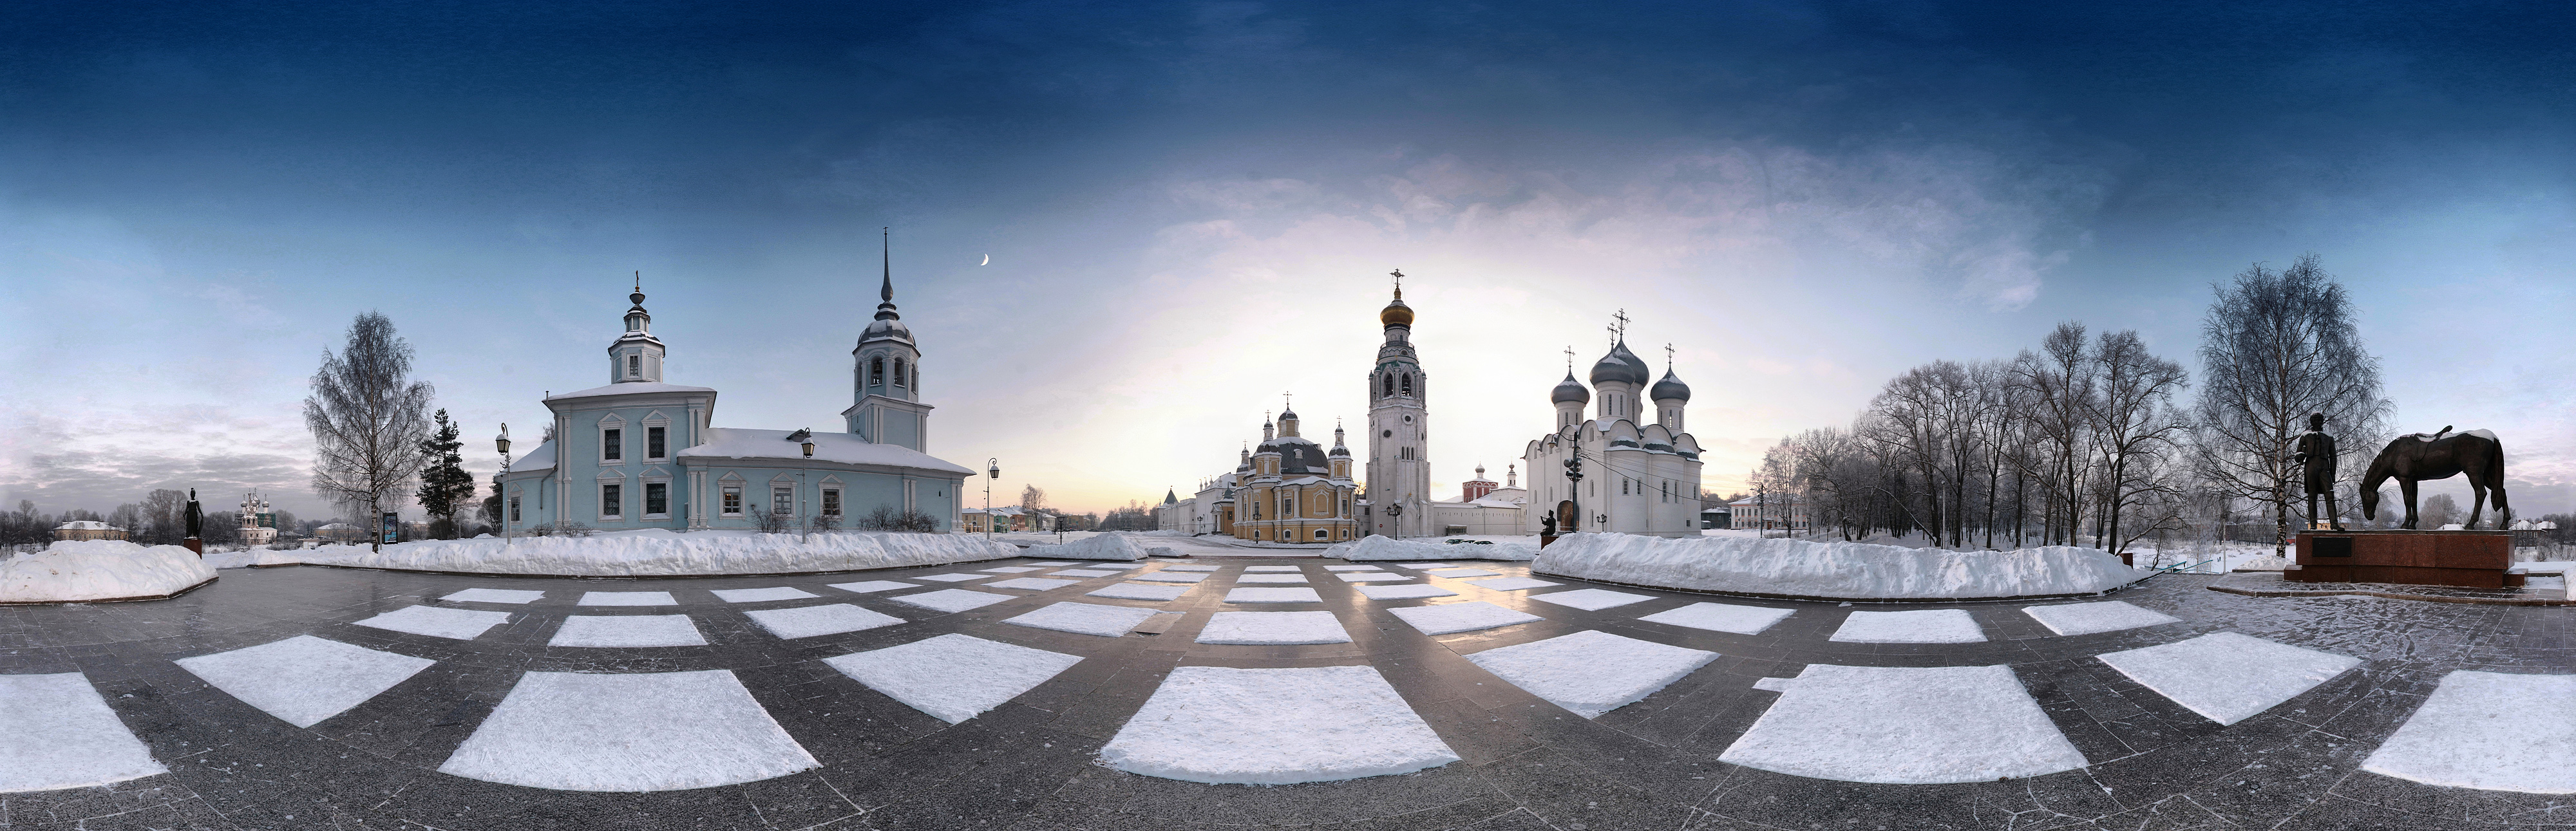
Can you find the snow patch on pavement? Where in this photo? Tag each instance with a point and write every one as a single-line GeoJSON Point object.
{"type": "Point", "coordinates": [1141, 591]}
{"type": "Point", "coordinates": [1273, 596]}
{"type": "Point", "coordinates": [866, 586]}
{"type": "Point", "coordinates": [304, 679]}
{"type": "Point", "coordinates": [2226, 676]}
{"type": "Point", "coordinates": [1412, 592]}
{"type": "Point", "coordinates": [1084, 618]}
{"type": "Point", "coordinates": [1905, 725]}
{"type": "Point", "coordinates": [627, 631]}
{"type": "Point", "coordinates": [951, 578]}
{"type": "Point", "coordinates": [2488, 730]}
{"type": "Point", "coordinates": [70, 571]}
{"type": "Point", "coordinates": [662, 552]}
{"type": "Point", "coordinates": [1462, 572]}
{"type": "Point", "coordinates": [1373, 577]}
{"type": "Point", "coordinates": [1191, 568]}
{"type": "Point", "coordinates": [1591, 600]}
{"type": "Point", "coordinates": [2088, 618]}
{"type": "Point", "coordinates": [1161, 577]}
{"type": "Point", "coordinates": [953, 677]}
{"type": "Point", "coordinates": [1754, 565]}
{"type": "Point", "coordinates": [1448, 618]}
{"type": "Point", "coordinates": [1298, 579]}
{"type": "Point", "coordinates": [627, 599]}
{"type": "Point", "coordinates": [952, 600]}
{"type": "Point", "coordinates": [1591, 672]}
{"type": "Point", "coordinates": [811, 621]}
{"type": "Point", "coordinates": [438, 622]}
{"type": "Point", "coordinates": [1722, 617]}
{"type": "Point", "coordinates": [1082, 572]}
{"type": "Point", "coordinates": [626, 733]}
{"type": "Point", "coordinates": [1220, 725]}
{"type": "Point", "coordinates": [1271, 569]}
{"type": "Point", "coordinates": [1030, 583]}
{"type": "Point", "coordinates": [762, 595]}
{"type": "Point", "coordinates": [1508, 584]}
{"type": "Point", "coordinates": [1917, 626]}
{"type": "Point", "coordinates": [1274, 628]}
{"type": "Point", "coordinates": [495, 596]}
{"type": "Point", "coordinates": [62, 735]}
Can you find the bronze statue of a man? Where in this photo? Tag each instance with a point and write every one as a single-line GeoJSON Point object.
{"type": "Point", "coordinates": [2316, 451]}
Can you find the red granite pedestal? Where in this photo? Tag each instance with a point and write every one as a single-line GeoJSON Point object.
{"type": "Point", "coordinates": [2471, 559]}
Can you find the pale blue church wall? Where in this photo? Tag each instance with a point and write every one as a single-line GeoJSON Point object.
{"type": "Point", "coordinates": [861, 492]}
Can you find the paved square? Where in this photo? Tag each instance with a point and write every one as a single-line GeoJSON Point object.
{"type": "Point", "coordinates": [1461, 572]}
{"type": "Point", "coordinates": [2088, 618]}
{"type": "Point", "coordinates": [953, 677]}
{"type": "Point", "coordinates": [1917, 626]}
{"type": "Point", "coordinates": [304, 679]}
{"type": "Point", "coordinates": [1141, 591]}
{"type": "Point", "coordinates": [1298, 579]}
{"type": "Point", "coordinates": [952, 600]}
{"type": "Point", "coordinates": [1273, 596]}
{"type": "Point", "coordinates": [1030, 583]}
{"type": "Point", "coordinates": [438, 622]}
{"type": "Point", "coordinates": [1082, 572]}
{"type": "Point", "coordinates": [628, 599]}
{"type": "Point", "coordinates": [1274, 628]}
{"type": "Point", "coordinates": [1374, 577]}
{"type": "Point", "coordinates": [1905, 725]}
{"type": "Point", "coordinates": [628, 631]}
{"type": "Point", "coordinates": [1221, 725]}
{"type": "Point", "coordinates": [1590, 672]}
{"type": "Point", "coordinates": [1351, 568]}
{"type": "Point", "coordinates": [1507, 584]}
{"type": "Point", "coordinates": [658, 731]}
{"type": "Point", "coordinates": [1426, 565]}
{"type": "Point", "coordinates": [1270, 569]}
{"type": "Point", "coordinates": [867, 586]}
{"type": "Point", "coordinates": [495, 596]}
{"type": "Point", "coordinates": [2226, 676]}
{"type": "Point", "coordinates": [1446, 618]}
{"type": "Point", "coordinates": [813, 621]}
{"type": "Point", "coordinates": [62, 735]}
{"type": "Point", "coordinates": [1085, 618]}
{"type": "Point", "coordinates": [1412, 592]}
{"type": "Point", "coordinates": [762, 595]}
{"type": "Point", "coordinates": [1591, 600]}
{"type": "Point", "coordinates": [1721, 617]}
{"type": "Point", "coordinates": [1190, 568]}
{"type": "Point", "coordinates": [1165, 576]}
{"type": "Point", "coordinates": [1010, 569]}
{"type": "Point", "coordinates": [952, 577]}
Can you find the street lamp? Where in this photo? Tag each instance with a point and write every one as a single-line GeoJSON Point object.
{"type": "Point", "coordinates": [1574, 490]}
{"type": "Point", "coordinates": [801, 476]}
{"type": "Point", "coordinates": [992, 471]}
{"type": "Point", "coordinates": [1395, 514]}
{"type": "Point", "coordinates": [502, 441]}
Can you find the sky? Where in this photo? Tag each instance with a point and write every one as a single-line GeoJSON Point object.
{"type": "Point", "coordinates": [1190, 210]}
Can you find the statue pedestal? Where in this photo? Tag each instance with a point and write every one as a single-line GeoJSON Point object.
{"type": "Point", "coordinates": [1544, 539]}
{"type": "Point", "coordinates": [195, 545]}
{"type": "Point", "coordinates": [2470, 559]}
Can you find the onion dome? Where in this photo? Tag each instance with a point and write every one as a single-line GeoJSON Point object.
{"type": "Point", "coordinates": [1620, 366]}
{"type": "Point", "coordinates": [1669, 388]}
{"type": "Point", "coordinates": [1570, 391]}
{"type": "Point", "coordinates": [1396, 313]}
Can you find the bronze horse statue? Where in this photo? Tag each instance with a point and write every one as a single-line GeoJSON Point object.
{"type": "Point", "coordinates": [2424, 457]}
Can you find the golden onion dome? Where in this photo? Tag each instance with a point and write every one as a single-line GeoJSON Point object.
{"type": "Point", "coordinates": [1396, 313]}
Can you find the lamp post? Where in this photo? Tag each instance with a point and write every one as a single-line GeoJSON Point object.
{"type": "Point", "coordinates": [1395, 514]}
{"type": "Point", "coordinates": [1574, 490]}
{"type": "Point", "coordinates": [992, 471]}
{"type": "Point", "coordinates": [801, 476]}
{"type": "Point", "coordinates": [502, 442]}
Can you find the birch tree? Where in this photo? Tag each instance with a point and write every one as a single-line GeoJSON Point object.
{"type": "Point", "coordinates": [2136, 425]}
{"type": "Point", "coordinates": [2274, 347]}
{"type": "Point", "coordinates": [368, 418]}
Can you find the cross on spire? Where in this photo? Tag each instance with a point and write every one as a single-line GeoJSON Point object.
{"type": "Point", "coordinates": [1289, 401]}
{"type": "Point", "coordinates": [1569, 359]}
{"type": "Point", "coordinates": [1668, 357]}
{"type": "Point", "coordinates": [1399, 283]}
{"type": "Point", "coordinates": [1620, 330]}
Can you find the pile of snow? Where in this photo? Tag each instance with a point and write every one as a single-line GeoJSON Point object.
{"type": "Point", "coordinates": [658, 552]}
{"type": "Point", "coordinates": [253, 557]}
{"type": "Point", "coordinates": [1120, 547]}
{"type": "Point", "coordinates": [1800, 568]}
{"type": "Point", "coordinates": [76, 570]}
{"type": "Point", "coordinates": [1371, 549]}
{"type": "Point", "coordinates": [2264, 563]}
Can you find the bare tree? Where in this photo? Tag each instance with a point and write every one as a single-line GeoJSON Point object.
{"type": "Point", "coordinates": [2059, 381]}
{"type": "Point", "coordinates": [1032, 497]}
{"type": "Point", "coordinates": [2135, 423]}
{"type": "Point", "coordinates": [368, 419]}
{"type": "Point", "coordinates": [2276, 346]}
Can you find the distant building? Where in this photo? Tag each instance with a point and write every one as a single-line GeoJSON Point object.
{"type": "Point", "coordinates": [1482, 508]}
{"type": "Point", "coordinates": [258, 521]}
{"type": "Point", "coordinates": [1780, 512]}
{"type": "Point", "coordinates": [88, 530]}
{"type": "Point", "coordinates": [1718, 517]}
{"type": "Point", "coordinates": [341, 533]}
{"type": "Point", "coordinates": [1007, 519]}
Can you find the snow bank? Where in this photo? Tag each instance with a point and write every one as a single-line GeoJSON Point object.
{"type": "Point", "coordinates": [1859, 571]}
{"type": "Point", "coordinates": [1373, 549]}
{"type": "Point", "coordinates": [656, 552]}
{"type": "Point", "coordinates": [75, 570]}
{"type": "Point", "coordinates": [1101, 547]}
{"type": "Point", "coordinates": [254, 557]}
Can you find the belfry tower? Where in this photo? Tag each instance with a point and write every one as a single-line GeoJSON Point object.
{"type": "Point", "coordinates": [1399, 472]}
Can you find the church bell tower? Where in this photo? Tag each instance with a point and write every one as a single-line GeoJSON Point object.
{"type": "Point", "coordinates": [1399, 471]}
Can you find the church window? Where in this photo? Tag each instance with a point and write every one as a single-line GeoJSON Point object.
{"type": "Point", "coordinates": [654, 442]}
{"type": "Point", "coordinates": [733, 500]}
{"type": "Point", "coordinates": [1319, 533]}
{"type": "Point", "coordinates": [612, 444]}
{"type": "Point", "coordinates": [831, 501]}
{"type": "Point", "coordinates": [1390, 385]}
{"type": "Point", "coordinates": [657, 499]}
{"type": "Point", "coordinates": [514, 509]}
{"type": "Point", "coordinates": [898, 372]}
{"type": "Point", "coordinates": [1623, 486]}
{"type": "Point", "coordinates": [634, 366]}
{"type": "Point", "coordinates": [876, 371]}
{"type": "Point", "coordinates": [1408, 384]}
{"type": "Point", "coordinates": [782, 500]}
{"type": "Point", "coordinates": [612, 501]}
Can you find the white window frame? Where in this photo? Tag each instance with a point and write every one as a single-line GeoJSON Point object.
{"type": "Point", "coordinates": [831, 504]}
{"type": "Point", "coordinates": [733, 490]}
{"type": "Point", "coordinates": [608, 423]}
{"type": "Point", "coordinates": [790, 488]}
{"type": "Point", "coordinates": [605, 503]}
{"type": "Point", "coordinates": [652, 421]}
{"type": "Point", "coordinates": [647, 505]}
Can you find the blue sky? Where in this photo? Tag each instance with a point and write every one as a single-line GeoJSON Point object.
{"type": "Point", "coordinates": [1190, 208]}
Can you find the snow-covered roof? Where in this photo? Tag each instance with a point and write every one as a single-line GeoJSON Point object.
{"type": "Point", "coordinates": [1491, 502]}
{"type": "Point", "coordinates": [84, 525]}
{"type": "Point", "coordinates": [542, 458]}
{"type": "Point", "coordinates": [843, 448]}
{"type": "Point", "coordinates": [632, 388]}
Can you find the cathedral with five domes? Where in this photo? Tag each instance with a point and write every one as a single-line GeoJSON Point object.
{"type": "Point", "coordinates": [1641, 471]}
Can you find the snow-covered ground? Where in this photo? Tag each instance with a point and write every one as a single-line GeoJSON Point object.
{"type": "Point", "coordinates": [658, 552]}
{"type": "Point", "coordinates": [1123, 546]}
{"type": "Point", "coordinates": [1845, 570]}
{"type": "Point", "coordinates": [1374, 549]}
{"type": "Point", "coordinates": [77, 570]}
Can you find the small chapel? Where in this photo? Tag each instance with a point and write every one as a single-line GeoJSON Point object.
{"type": "Point", "coordinates": [640, 452]}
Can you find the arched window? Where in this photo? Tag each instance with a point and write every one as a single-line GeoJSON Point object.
{"type": "Point", "coordinates": [898, 372]}
{"type": "Point", "coordinates": [1408, 384]}
{"type": "Point", "coordinates": [634, 366]}
{"type": "Point", "coordinates": [1390, 384]}
{"type": "Point", "coordinates": [876, 371]}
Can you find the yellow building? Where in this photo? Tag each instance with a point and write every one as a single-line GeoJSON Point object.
{"type": "Point", "coordinates": [1291, 490]}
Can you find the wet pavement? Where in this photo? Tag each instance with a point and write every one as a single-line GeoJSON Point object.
{"type": "Point", "coordinates": [2151, 755]}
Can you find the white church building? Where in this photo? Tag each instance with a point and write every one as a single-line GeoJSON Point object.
{"type": "Point", "coordinates": [641, 452]}
{"type": "Point", "coordinates": [1641, 471]}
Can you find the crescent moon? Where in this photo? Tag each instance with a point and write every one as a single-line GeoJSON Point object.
{"type": "Point", "coordinates": [988, 260]}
